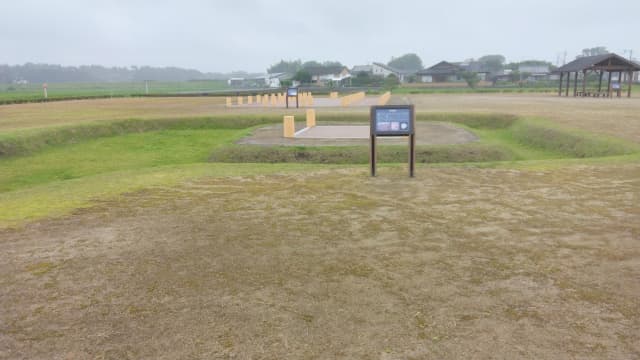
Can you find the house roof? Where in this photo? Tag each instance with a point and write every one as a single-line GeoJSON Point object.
{"type": "Point", "coordinates": [362, 68]}
{"type": "Point", "coordinates": [606, 62]}
{"type": "Point", "coordinates": [475, 67]}
{"type": "Point", "coordinates": [441, 68]}
{"type": "Point", "coordinates": [325, 70]}
{"type": "Point", "coordinates": [394, 70]}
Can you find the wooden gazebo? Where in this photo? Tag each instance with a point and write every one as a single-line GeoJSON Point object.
{"type": "Point", "coordinates": [609, 63]}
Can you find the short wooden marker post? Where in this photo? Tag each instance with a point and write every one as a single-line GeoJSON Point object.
{"type": "Point", "coordinates": [311, 118]}
{"type": "Point", "coordinates": [289, 126]}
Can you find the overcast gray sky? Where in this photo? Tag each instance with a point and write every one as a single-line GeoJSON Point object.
{"type": "Point", "coordinates": [252, 34]}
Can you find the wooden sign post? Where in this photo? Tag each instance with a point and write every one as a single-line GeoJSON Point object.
{"type": "Point", "coordinates": [393, 120]}
{"type": "Point", "coordinates": [293, 92]}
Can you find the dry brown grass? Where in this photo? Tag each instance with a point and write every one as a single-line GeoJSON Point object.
{"type": "Point", "coordinates": [457, 263]}
{"type": "Point", "coordinates": [615, 117]}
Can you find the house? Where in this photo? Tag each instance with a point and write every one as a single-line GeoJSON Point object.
{"type": "Point", "coordinates": [386, 70]}
{"type": "Point", "coordinates": [476, 67]}
{"type": "Point", "coordinates": [358, 69]}
{"type": "Point", "coordinates": [535, 72]}
{"type": "Point", "coordinates": [261, 81]}
{"type": "Point", "coordinates": [382, 70]}
{"type": "Point", "coordinates": [441, 72]}
{"type": "Point", "coordinates": [274, 80]}
{"type": "Point", "coordinates": [322, 75]}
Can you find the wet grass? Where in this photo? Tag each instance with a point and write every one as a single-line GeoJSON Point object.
{"type": "Point", "coordinates": [52, 171]}
{"type": "Point", "coordinates": [120, 153]}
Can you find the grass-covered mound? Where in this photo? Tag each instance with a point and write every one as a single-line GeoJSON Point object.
{"type": "Point", "coordinates": [502, 138]}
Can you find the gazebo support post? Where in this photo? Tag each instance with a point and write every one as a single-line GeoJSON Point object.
{"type": "Point", "coordinates": [620, 82]}
{"type": "Point", "coordinates": [560, 89]}
{"type": "Point", "coordinates": [575, 84]}
{"type": "Point", "coordinates": [609, 85]}
{"type": "Point", "coordinates": [568, 84]}
{"type": "Point", "coordinates": [584, 83]}
{"type": "Point", "coordinates": [630, 84]}
{"type": "Point", "coordinates": [600, 83]}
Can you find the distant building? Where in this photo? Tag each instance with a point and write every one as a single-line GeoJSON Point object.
{"type": "Point", "coordinates": [323, 75]}
{"type": "Point", "coordinates": [382, 70]}
{"type": "Point", "coordinates": [535, 72]}
{"type": "Point", "coordinates": [475, 67]}
{"type": "Point", "coordinates": [260, 81]}
{"type": "Point", "coordinates": [441, 72]}
{"type": "Point", "coordinates": [358, 69]}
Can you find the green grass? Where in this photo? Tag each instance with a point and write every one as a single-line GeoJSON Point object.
{"type": "Point", "coordinates": [467, 90]}
{"type": "Point", "coordinates": [50, 172]}
{"type": "Point", "coordinates": [25, 142]}
{"type": "Point", "coordinates": [10, 93]}
{"type": "Point", "coordinates": [61, 197]}
{"type": "Point", "coordinates": [126, 152]}
{"type": "Point", "coordinates": [474, 152]}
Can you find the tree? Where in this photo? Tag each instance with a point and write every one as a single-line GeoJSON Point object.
{"type": "Point", "coordinates": [471, 78]}
{"type": "Point", "coordinates": [303, 76]}
{"type": "Point", "coordinates": [391, 81]}
{"type": "Point", "coordinates": [407, 62]}
{"type": "Point", "coordinates": [311, 64]}
{"type": "Point", "coordinates": [493, 63]}
{"type": "Point", "coordinates": [332, 64]}
{"type": "Point", "coordinates": [290, 67]}
{"type": "Point", "coordinates": [598, 50]}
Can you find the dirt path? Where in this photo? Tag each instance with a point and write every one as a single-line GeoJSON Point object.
{"type": "Point", "coordinates": [457, 263]}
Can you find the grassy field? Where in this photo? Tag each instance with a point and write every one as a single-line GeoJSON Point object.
{"type": "Point", "coordinates": [30, 92]}
{"type": "Point", "coordinates": [119, 221]}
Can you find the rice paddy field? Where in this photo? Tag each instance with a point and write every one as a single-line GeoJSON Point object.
{"type": "Point", "coordinates": [139, 228]}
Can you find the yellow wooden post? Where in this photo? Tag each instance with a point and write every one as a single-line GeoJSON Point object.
{"type": "Point", "coordinates": [311, 118]}
{"type": "Point", "coordinates": [250, 100]}
{"type": "Point", "coordinates": [240, 101]}
{"type": "Point", "coordinates": [289, 127]}
{"type": "Point", "coordinates": [229, 104]}
{"type": "Point", "coordinates": [258, 99]}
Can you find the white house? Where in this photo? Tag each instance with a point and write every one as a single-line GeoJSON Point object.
{"type": "Point", "coordinates": [326, 74]}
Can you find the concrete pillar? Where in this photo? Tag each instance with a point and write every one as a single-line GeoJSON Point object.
{"type": "Point", "coordinates": [311, 118]}
{"type": "Point", "coordinates": [289, 127]}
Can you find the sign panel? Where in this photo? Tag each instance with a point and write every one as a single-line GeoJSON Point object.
{"type": "Point", "coordinates": [392, 120]}
{"type": "Point", "coordinates": [292, 92]}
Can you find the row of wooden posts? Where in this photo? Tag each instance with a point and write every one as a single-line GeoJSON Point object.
{"type": "Point", "coordinates": [277, 99]}
{"type": "Point", "coordinates": [599, 93]}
